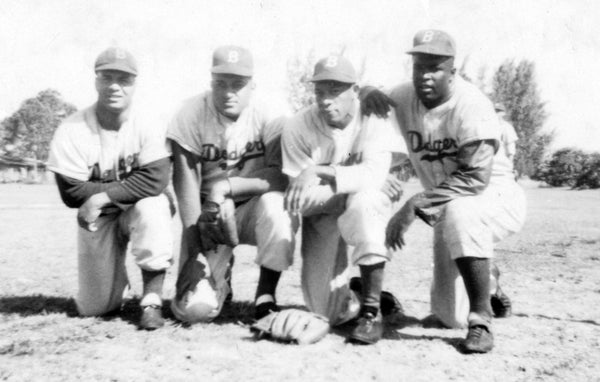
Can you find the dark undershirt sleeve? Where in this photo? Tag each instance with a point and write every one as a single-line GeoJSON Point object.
{"type": "Point", "coordinates": [148, 180]}
{"type": "Point", "coordinates": [471, 177]}
{"type": "Point", "coordinates": [269, 178]}
{"type": "Point", "coordinates": [74, 192]}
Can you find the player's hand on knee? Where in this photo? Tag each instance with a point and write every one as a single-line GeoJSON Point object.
{"type": "Point", "coordinates": [297, 193]}
{"type": "Point", "coordinates": [374, 101]}
{"type": "Point", "coordinates": [217, 225]}
{"type": "Point", "coordinates": [88, 214]}
{"type": "Point", "coordinates": [392, 188]}
{"type": "Point", "coordinates": [398, 225]}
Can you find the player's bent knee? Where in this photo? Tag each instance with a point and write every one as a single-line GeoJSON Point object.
{"type": "Point", "coordinates": [271, 203]}
{"type": "Point", "coordinates": [368, 200]}
{"type": "Point", "coordinates": [461, 212]}
{"type": "Point", "coordinates": [154, 207]}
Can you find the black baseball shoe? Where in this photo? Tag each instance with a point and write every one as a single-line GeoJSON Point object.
{"type": "Point", "coordinates": [152, 317]}
{"type": "Point", "coordinates": [479, 340]}
{"type": "Point", "coordinates": [368, 329]}
{"type": "Point", "coordinates": [389, 303]}
{"type": "Point", "coordinates": [501, 304]}
{"type": "Point", "coordinates": [264, 309]}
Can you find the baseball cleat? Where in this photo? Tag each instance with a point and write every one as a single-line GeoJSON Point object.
{"type": "Point", "coordinates": [264, 309]}
{"type": "Point", "coordinates": [479, 340]}
{"type": "Point", "coordinates": [368, 329]}
{"type": "Point", "coordinates": [501, 304]}
{"type": "Point", "coordinates": [152, 317]}
{"type": "Point", "coordinates": [389, 303]}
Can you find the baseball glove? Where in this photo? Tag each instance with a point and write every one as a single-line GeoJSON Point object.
{"type": "Point", "coordinates": [292, 325]}
{"type": "Point", "coordinates": [217, 225]}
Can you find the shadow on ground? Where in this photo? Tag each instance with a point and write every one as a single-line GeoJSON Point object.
{"type": "Point", "coordinates": [37, 305]}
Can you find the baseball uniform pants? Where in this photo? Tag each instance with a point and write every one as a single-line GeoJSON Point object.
{"type": "Point", "coordinates": [261, 221]}
{"type": "Point", "coordinates": [331, 223]}
{"type": "Point", "coordinates": [469, 227]}
{"type": "Point", "coordinates": [102, 274]}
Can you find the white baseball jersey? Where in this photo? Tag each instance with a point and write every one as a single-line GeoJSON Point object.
{"type": "Point", "coordinates": [308, 140]}
{"type": "Point", "coordinates": [227, 148]}
{"type": "Point", "coordinates": [82, 150]}
{"type": "Point", "coordinates": [433, 136]}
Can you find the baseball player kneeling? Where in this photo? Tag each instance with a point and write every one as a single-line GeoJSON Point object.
{"type": "Point", "coordinates": [470, 197]}
{"type": "Point", "coordinates": [338, 163]}
{"type": "Point", "coordinates": [112, 164]}
{"type": "Point", "coordinates": [229, 185]}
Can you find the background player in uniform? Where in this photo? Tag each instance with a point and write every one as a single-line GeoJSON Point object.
{"type": "Point", "coordinates": [508, 135]}
{"type": "Point", "coordinates": [226, 145]}
{"type": "Point", "coordinates": [338, 162]}
{"type": "Point", "coordinates": [112, 164]}
{"type": "Point", "coordinates": [470, 197]}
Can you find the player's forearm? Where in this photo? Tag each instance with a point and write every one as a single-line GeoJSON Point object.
{"type": "Point", "coordinates": [471, 178]}
{"type": "Point", "coordinates": [75, 192]}
{"type": "Point", "coordinates": [146, 181]}
{"type": "Point", "coordinates": [186, 183]}
{"type": "Point", "coordinates": [259, 182]}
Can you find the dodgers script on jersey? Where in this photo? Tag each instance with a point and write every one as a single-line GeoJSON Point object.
{"type": "Point", "coordinates": [433, 136]}
{"type": "Point", "coordinates": [367, 140]}
{"type": "Point", "coordinates": [81, 149]}
{"type": "Point", "coordinates": [227, 148]}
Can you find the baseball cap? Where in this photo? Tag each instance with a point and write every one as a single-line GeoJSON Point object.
{"type": "Point", "coordinates": [334, 68]}
{"type": "Point", "coordinates": [434, 42]}
{"type": "Point", "coordinates": [232, 59]}
{"type": "Point", "coordinates": [115, 58]}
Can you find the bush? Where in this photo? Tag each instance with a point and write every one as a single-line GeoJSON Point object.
{"type": "Point", "coordinates": [590, 174]}
{"type": "Point", "coordinates": [571, 167]}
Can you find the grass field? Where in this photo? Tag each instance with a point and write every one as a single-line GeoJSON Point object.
{"type": "Point", "coordinates": [551, 270]}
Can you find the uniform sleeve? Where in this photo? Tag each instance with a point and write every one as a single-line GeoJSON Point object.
{"type": "Point", "coordinates": [295, 151]}
{"type": "Point", "coordinates": [478, 122]}
{"type": "Point", "coordinates": [68, 153]}
{"type": "Point", "coordinates": [154, 146]}
{"type": "Point", "coordinates": [146, 181]}
{"type": "Point", "coordinates": [372, 171]}
{"type": "Point", "coordinates": [271, 138]}
{"type": "Point", "coordinates": [184, 127]}
{"type": "Point", "coordinates": [471, 177]}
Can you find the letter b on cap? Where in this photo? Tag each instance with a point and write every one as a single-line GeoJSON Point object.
{"type": "Point", "coordinates": [428, 36]}
{"type": "Point", "coordinates": [233, 56]}
{"type": "Point", "coordinates": [332, 62]}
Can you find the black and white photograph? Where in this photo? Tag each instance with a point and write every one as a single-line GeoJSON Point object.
{"type": "Point", "coordinates": [302, 190]}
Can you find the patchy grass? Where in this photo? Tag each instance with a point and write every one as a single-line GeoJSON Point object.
{"type": "Point", "coordinates": [550, 270]}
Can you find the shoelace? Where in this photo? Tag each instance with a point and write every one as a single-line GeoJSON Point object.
{"type": "Point", "coordinates": [476, 332]}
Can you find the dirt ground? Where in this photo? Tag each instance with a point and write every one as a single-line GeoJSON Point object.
{"type": "Point", "coordinates": [551, 270]}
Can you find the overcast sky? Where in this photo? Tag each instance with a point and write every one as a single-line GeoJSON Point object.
{"type": "Point", "coordinates": [53, 44]}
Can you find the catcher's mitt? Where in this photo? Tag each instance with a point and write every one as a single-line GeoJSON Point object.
{"type": "Point", "coordinates": [292, 325]}
{"type": "Point", "coordinates": [217, 225]}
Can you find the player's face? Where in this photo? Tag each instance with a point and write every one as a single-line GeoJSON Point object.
{"type": "Point", "coordinates": [432, 78]}
{"type": "Point", "coordinates": [231, 93]}
{"type": "Point", "coordinates": [115, 89]}
{"type": "Point", "coordinates": [336, 102]}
